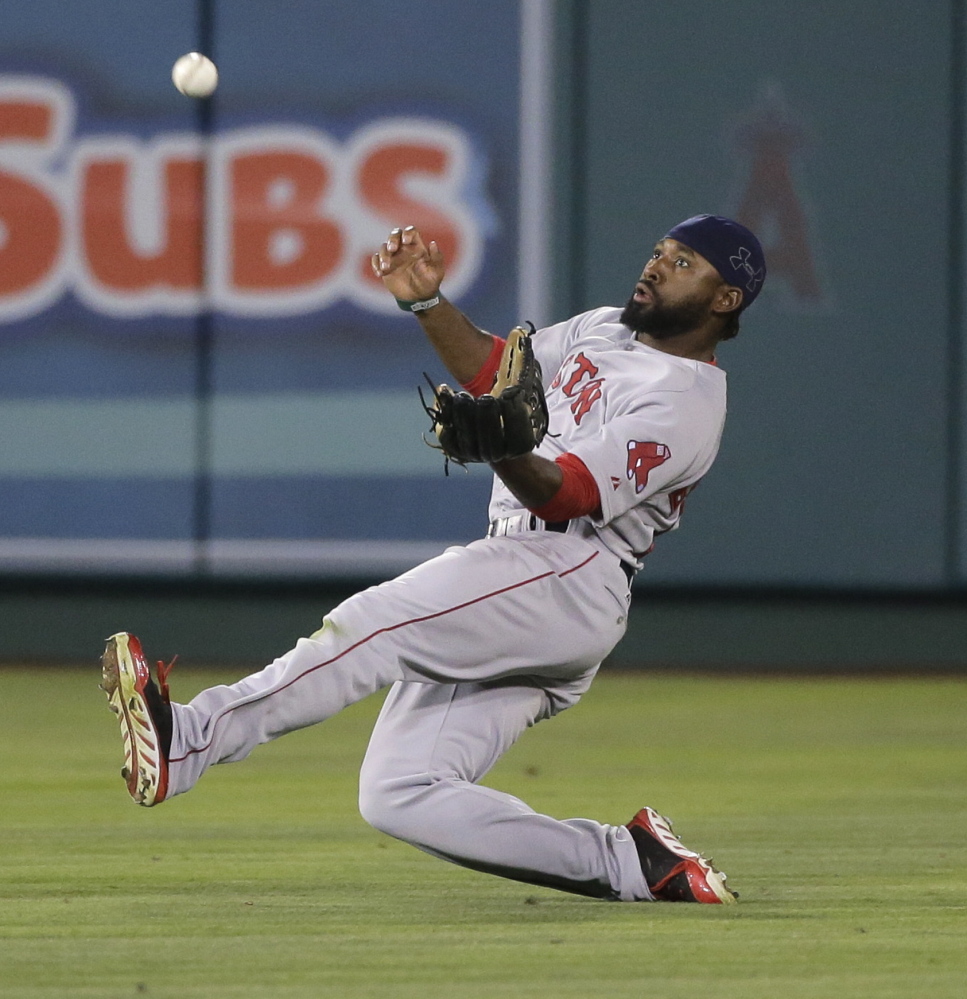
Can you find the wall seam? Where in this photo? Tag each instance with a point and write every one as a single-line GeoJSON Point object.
{"type": "Point", "coordinates": [580, 58]}
{"type": "Point", "coordinates": [955, 302]}
{"type": "Point", "coordinates": [204, 321]}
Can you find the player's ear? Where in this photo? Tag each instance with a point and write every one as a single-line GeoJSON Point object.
{"type": "Point", "coordinates": [727, 299]}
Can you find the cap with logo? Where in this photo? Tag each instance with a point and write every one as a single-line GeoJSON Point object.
{"type": "Point", "coordinates": [729, 247]}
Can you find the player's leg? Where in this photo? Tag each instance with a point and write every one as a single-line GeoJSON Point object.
{"type": "Point", "coordinates": [309, 684]}
{"type": "Point", "coordinates": [430, 747]}
{"type": "Point", "coordinates": [471, 614]}
{"type": "Point", "coordinates": [167, 746]}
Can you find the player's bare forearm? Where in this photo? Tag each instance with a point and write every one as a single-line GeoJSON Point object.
{"type": "Point", "coordinates": [412, 271]}
{"type": "Point", "coordinates": [532, 479]}
{"type": "Point", "coordinates": [463, 347]}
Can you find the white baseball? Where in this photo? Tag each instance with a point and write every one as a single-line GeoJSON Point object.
{"type": "Point", "coordinates": [195, 75]}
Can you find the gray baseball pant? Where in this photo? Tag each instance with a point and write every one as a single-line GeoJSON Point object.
{"type": "Point", "coordinates": [478, 645]}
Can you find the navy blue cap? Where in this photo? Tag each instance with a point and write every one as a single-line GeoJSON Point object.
{"type": "Point", "coordinates": [729, 247]}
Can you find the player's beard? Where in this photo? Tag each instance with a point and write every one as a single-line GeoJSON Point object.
{"type": "Point", "coordinates": [661, 321]}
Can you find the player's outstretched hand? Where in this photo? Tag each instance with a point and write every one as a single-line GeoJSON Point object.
{"type": "Point", "coordinates": [410, 269]}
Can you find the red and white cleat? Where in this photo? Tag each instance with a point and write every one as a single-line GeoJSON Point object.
{"type": "Point", "coordinates": [144, 711]}
{"type": "Point", "coordinates": [673, 872]}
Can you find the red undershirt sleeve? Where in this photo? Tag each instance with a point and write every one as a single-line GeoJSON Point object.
{"type": "Point", "coordinates": [483, 380]}
{"type": "Point", "coordinates": [577, 496]}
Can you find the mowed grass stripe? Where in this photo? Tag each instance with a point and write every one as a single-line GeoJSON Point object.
{"type": "Point", "coordinates": [837, 807]}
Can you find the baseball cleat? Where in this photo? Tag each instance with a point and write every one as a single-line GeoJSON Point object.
{"type": "Point", "coordinates": [144, 712]}
{"type": "Point", "coordinates": [673, 872]}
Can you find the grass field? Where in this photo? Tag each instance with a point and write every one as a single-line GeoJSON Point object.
{"type": "Point", "coordinates": [837, 807]}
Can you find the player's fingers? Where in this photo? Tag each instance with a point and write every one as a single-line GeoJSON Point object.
{"type": "Point", "coordinates": [383, 258]}
{"type": "Point", "coordinates": [381, 261]}
{"type": "Point", "coordinates": [409, 238]}
{"type": "Point", "coordinates": [412, 241]}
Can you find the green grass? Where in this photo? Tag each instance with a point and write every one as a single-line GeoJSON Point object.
{"type": "Point", "coordinates": [837, 807]}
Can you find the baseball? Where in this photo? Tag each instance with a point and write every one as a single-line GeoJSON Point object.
{"type": "Point", "coordinates": [195, 75]}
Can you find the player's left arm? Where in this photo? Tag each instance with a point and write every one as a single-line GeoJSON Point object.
{"type": "Point", "coordinates": [532, 479]}
{"type": "Point", "coordinates": [553, 490]}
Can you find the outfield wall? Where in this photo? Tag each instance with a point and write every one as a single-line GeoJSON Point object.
{"type": "Point", "coordinates": [247, 625]}
{"type": "Point", "coordinates": [837, 129]}
{"type": "Point", "coordinates": [198, 381]}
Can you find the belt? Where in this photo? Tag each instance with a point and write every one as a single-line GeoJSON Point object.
{"type": "Point", "coordinates": [529, 522]}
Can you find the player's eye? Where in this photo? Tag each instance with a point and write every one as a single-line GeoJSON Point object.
{"type": "Point", "coordinates": [682, 262]}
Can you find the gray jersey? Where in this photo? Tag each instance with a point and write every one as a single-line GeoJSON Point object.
{"type": "Point", "coordinates": [647, 424]}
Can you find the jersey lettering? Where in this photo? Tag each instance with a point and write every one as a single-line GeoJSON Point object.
{"type": "Point", "coordinates": [643, 456]}
{"type": "Point", "coordinates": [582, 368]}
{"type": "Point", "coordinates": [587, 391]}
{"type": "Point", "coordinates": [590, 393]}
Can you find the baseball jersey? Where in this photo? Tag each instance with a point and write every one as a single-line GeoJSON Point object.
{"type": "Point", "coordinates": [647, 425]}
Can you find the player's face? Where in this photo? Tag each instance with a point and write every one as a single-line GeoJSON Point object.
{"type": "Point", "coordinates": [674, 293]}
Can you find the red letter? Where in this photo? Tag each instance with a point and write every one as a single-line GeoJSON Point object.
{"type": "Point", "coordinates": [588, 396]}
{"type": "Point", "coordinates": [113, 262]}
{"type": "Point", "coordinates": [582, 367]}
{"type": "Point", "coordinates": [381, 177]}
{"type": "Point", "coordinates": [30, 224]}
{"type": "Point", "coordinates": [279, 241]}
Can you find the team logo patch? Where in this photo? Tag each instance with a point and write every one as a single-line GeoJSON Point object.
{"type": "Point", "coordinates": [643, 456]}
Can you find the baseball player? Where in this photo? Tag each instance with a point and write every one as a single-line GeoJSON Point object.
{"type": "Point", "coordinates": [490, 638]}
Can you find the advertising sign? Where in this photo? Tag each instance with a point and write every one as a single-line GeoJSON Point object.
{"type": "Point", "coordinates": [198, 369]}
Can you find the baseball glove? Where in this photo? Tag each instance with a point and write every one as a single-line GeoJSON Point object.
{"type": "Point", "coordinates": [506, 422]}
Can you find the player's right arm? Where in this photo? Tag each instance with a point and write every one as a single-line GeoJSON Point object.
{"type": "Point", "coordinates": [413, 271]}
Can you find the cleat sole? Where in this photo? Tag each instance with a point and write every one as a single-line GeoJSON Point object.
{"type": "Point", "coordinates": [124, 677]}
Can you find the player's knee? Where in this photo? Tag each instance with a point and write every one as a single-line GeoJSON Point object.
{"type": "Point", "coordinates": [383, 804]}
